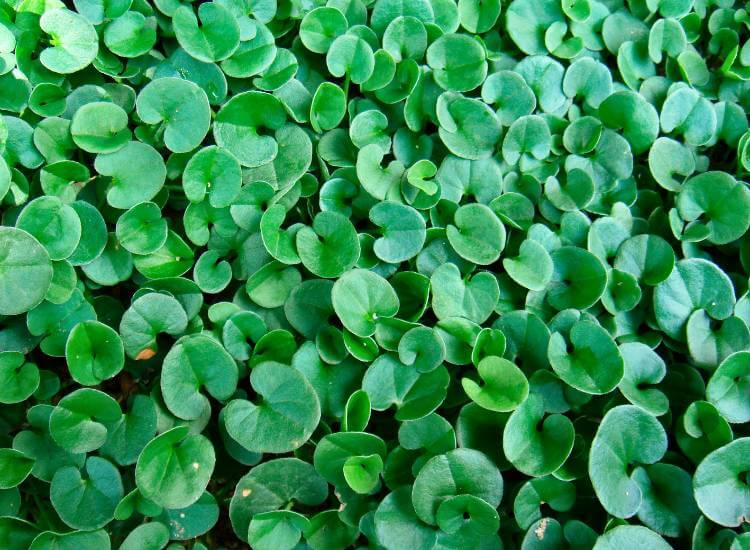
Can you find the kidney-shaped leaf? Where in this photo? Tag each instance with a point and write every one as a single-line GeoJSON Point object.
{"type": "Point", "coordinates": [181, 107]}
{"type": "Point", "coordinates": [535, 443]}
{"type": "Point", "coordinates": [504, 385]}
{"type": "Point", "coordinates": [720, 484]}
{"type": "Point", "coordinates": [273, 485]}
{"type": "Point", "coordinates": [283, 419]}
{"type": "Point", "coordinates": [196, 361]}
{"type": "Point", "coordinates": [88, 502]}
{"type": "Point", "coordinates": [626, 435]}
{"type": "Point", "coordinates": [237, 124]}
{"type": "Point", "coordinates": [458, 472]}
{"type": "Point", "coordinates": [74, 43]}
{"type": "Point", "coordinates": [360, 298]}
{"type": "Point", "coordinates": [79, 422]}
{"type": "Point", "coordinates": [175, 467]}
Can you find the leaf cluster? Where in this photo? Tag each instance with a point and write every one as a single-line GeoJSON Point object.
{"type": "Point", "coordinates": [328, 274]}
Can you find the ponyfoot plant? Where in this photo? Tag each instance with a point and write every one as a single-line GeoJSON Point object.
{"type": "Point", "coordinates": [400, 274]}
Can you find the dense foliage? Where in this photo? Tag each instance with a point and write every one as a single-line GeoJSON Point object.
{"type": "Point", "coordinates": [400, 274]}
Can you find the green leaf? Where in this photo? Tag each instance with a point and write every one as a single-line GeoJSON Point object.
{"type": "Point", "coordinates": [71, 540]}
{"type": "Point", "coordinates": [137, 171]}
{"type": "Point", "coordinates": [535, 443]}
{"type": "Point", "coordinates": [643, 368]}
{"type": "Point", "coordinates": [285, 417]}
{"type": "Point", "coordinates": [330, 247]}
{"type": "Point", "coordinates": [720, 489]}
{"type": "Point", "coordinates": [278, 529]}
{"type": "Point", "coordinates": [94, 353]}
{"type": "Point", "coordinates": [334, 452]}
{"type": "Point", "coordinates": [127, 437]}
{"type": "Point", "coordinates": [148, 535]}
{"type": "Point", "coordinates": [16, 467]}
{"type": "Point", "coordinates": [149, 315]}
{"type": "Point", "coordinates": [532, 268]}
{"type": "Point", "coordinates": [270, 486]}
{"type": "Point", "coordinates": [88, 502]}
{"type": "Point", "coordinates": [504, 385]}
{"type": "Point", "coordinates": [320, 27]}
{"type": "Point", "coordinates": [458, 62]}
{"type": "Point", "coordinates": [352, 56]}
{"type": "Point", "coordinates": [24, 263]}
{"type": "Point", "coordinates": [328, 107]}
{"type": "Point", "coordinates": [625, 436]}
{"type": "Point", "coordinates": [593, 365]}
{"type": "Point", "coordinates": [236, 127]}
{"type": "Point", "coordinates": [19, 379]}
{"type": "Point", "coordinates": [192, 521]}
{"type": "Point", "coordinates": [215, 172]}
{"type": "Point", "coordinates": [175, 467]}
{"type": "Point", "coordinates": [73, 40]}
{"type": "Point", "coordinates": [557, 494]}
{"type": "Point", "coordinates": [403, 231]}
{"type": "Point", "coordinates": [668, 505]}
{"type": "Point", "coordinates": [630, 535]}
{"type": "Point", "coordinates": [468, 127]}
{"type": "Point", "coordinates": [362, 472]}
{"type": "Point", "coordinates": [467, 512]}
{"type": "Point", "coordinates": [647, 257]}
{"type": "Point", "coordinates": [79, 422]}
{"type": "Point", "coordinates": [458, 472]}
{"type": "Point", "coordinates": [194, 362]}
{"type": "Point", "coordinates": [727, 386]}
{"type": "Point", "coordinates": [578, 279]}
{"type": "Point", "coordinates": [215, 37]}
{"type": "Point", "coordinates": [362, 297]}
{"type": "Point", "coordinates": [142, 230]}
{"type": "Point", "coordinates": [421, 347]}
{"type": "Point", "coordinates": [694, 284]}
{"type": "Point", "coordinates": [130, 35]}
{"type": "Point", "coordinates": [636, 117]}
{"type": "Point", "coordinates": [100, 127]}
{"type": "Point", "coordinates": [388, 382]}
{"type": "Point", "coordinates": [478, 235]}
{"type": "Point", "coordinates": [54, 224]}
{"type": "Point", "coordinates": [705, 200]}
{"type": "Point", "coordinates": [180, 107]}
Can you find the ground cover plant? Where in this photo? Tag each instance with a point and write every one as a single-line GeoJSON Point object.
{"type": "Point", "coordinates": [400, 274]}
